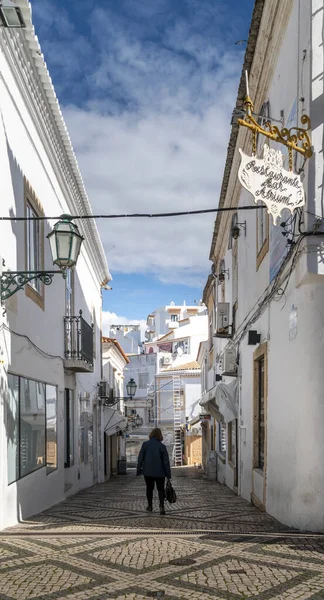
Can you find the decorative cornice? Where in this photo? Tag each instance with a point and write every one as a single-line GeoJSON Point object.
{"type": "Point", "coordinates": [24, 56]}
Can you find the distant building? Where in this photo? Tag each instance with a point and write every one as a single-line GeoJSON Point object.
{"type": "Point", "coordinates": [128, 337]}
{"type": "Point", "coordinates": [167, 318]}
{"type": "Point", "coordinates": [114, 422]}
{"type": "Point", "coordinates": [169, 371]}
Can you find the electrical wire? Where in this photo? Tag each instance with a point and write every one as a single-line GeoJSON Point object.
{"type": "Point", "coordinates": [42, 352]}
{"type": "Point", "coordinates": [137, 215]}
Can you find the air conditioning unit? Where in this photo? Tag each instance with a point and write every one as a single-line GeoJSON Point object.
{"type": "Point", "coordinates": [166, 360]}
{"type": "Point", "coordinates": [195, 430]}
{"type": "Point", "coordinates": [229, 362]}
{"type": "Point", "coordinates": [103, 389]}
{"type": "Point", "coordinates": [222, 319]}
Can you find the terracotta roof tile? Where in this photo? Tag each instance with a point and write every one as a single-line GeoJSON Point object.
{"type": "Point", "coordinates": [191, 366]}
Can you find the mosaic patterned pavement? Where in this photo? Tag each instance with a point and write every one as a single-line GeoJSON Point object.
{"type": "Point", "coordinates": [102, 544]}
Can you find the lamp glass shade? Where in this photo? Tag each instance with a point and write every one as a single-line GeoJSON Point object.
{"type": "Point", "coordinates": [221, 277]}
{"type": "Point", "coordinates": [235, 232]}
{"type": "Point", "coordinates": [11, 16]}
{"type": "Point", "coordinates": [131, 388]}
{"type": "Point", "coordinates": [65, 242]}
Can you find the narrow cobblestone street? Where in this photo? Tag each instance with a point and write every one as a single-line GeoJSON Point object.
{"type": "Point", "coordinates": [211, 544]}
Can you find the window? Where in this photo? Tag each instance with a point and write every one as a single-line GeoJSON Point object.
{"type": "Point", "coordinates": [211, 329]}
{"type": "Point", "coordinates": [143, 381]}
{"type": "Point", "coordinates": [69, 429]}
{"type": "Point", "coordinates": [32, 426]}
{"type": "Point", "coordinates": [90, 436]}
{"type": "Point", "coordinates": [262, 218]}
{"type": "Point", "coordinates": [174, 318]}
{"type": "Point", "coordinates": [85, 429]}
{"type": "Point", "coordinates": [181, 347]}
{"type": "Point", "coordinates": [51, 428]}
{"type": "Point", "coordinates": [31, 422]}
{"type": "Point", "coordinates": [232, 442]}
{"type": "Point", "coordinates": [260, 393]}
{"type": "Point", "coordinates": [233, 224]}
{"type": "Point", "coordinates": [235, 272]}
{"type": "Point", "coordinates": [260, 407]}
{"type": "Point", "coordinates": [222, 438]}
{"type": "Point", "coordinates": [94, 329]}
{"type": "Point", "coordinates": [33, 246]}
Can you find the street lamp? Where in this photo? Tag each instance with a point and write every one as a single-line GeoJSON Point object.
{"type": "Point", "coordinates": [131, 388]}
{"type": "Point", "coordinates": [236, 230]}
{"type": "Point", "coordinates": [10, 16]}
{"type": "Point", "coordinates": [65, 244]}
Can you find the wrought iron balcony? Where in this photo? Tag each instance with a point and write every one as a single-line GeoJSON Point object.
{"type": "Point", "coordinates": [78, 344]}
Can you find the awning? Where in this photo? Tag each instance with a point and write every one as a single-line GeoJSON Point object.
{"type": "Point", "coordinates": [222, 401]}
{"type": "Point", "coordinates": [113, 421]}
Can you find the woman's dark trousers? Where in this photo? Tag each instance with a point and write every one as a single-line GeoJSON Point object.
{"type": "Point", "coordinates": [150, 487]}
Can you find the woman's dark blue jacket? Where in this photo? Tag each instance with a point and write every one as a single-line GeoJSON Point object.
{"type": "Point", "coordinates": [153, 460]}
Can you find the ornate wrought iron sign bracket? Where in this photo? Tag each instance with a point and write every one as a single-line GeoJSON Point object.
{"type": "Point", "coordinates": [12, 281]}
{"type": "Point", "coordinates": [295, 139]}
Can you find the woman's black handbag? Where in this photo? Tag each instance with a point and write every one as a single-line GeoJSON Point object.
{"type": "Point", "coordinates": [170, 493]}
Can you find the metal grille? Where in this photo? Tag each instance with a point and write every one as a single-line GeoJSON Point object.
{"type": "Point", "coordinates": [78, 338]}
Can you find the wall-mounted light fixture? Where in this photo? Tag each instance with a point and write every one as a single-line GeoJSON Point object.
{"type": "Point", "coordinates": [254, 337]}
{"type": "Point", "coordinates": [222, 271]}
{"type": "Point", "coordinates": [236, 230]}
{"type": "Point", "coordinates": [65, 243]}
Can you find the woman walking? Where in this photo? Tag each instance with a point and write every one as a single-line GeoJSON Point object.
{"type": "Point", "coordinates": [153, 463]}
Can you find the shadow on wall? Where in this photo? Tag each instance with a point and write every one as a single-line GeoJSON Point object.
{"type": "Point", "coordinates": [55, 294]}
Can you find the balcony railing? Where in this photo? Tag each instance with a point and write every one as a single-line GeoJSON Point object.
{"type": "Point", "coordinates": [78, 344]}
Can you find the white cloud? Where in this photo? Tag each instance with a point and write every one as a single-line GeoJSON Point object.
{"type": "Point", "coordinates": [151, 128]}
{"type": "Point", "coordinates": [111, 318]}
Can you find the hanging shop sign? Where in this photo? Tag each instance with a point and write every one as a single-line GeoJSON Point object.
{"type": "Point", "coordinates": [265, 177]}
{"type": "Point", "coordinates": [267, 180]}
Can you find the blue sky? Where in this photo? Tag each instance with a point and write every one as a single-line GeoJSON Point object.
{"type": "Point", "coordinates": [147, 88]}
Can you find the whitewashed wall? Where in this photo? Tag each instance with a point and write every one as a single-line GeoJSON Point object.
{"type": "Point", "coordinates": [23, 152]}
{"type": "Point", "coordinates": [295, 413]}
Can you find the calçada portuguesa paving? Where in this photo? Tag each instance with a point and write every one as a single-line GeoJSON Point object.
{"type": "Point", "coordinates": [102, 544]}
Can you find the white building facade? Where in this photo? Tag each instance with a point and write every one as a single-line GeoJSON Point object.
{"type": "Point", "coordinates": [115, 362]}
{"type": "Point", "coordinates": [128, 337]}
{"type": "Point", "coordinates": [174, 334]}
{"type": "Point", "coordinates": [268, 406]}
{"type": "Point", "coordinates": [50, 338]}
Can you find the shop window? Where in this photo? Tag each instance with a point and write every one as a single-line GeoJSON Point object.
{"type": "Point", "coordinates": [32, 426]}
{"type": "Point", "coordinates": [31, 423]}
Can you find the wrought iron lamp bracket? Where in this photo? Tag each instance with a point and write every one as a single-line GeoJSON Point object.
{"type": "Point", "coordinates": [295, 139]}
{"type": "Point", "coordinates": [116, 399]}
{"type": "Point", "coordinates": [13, 281]}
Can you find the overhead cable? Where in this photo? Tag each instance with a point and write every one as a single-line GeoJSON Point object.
{"type": "Point", "coordinates": [138, 215]}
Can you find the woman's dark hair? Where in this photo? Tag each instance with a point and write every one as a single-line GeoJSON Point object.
{"type": "Point", "coordinates": [156, 433]}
